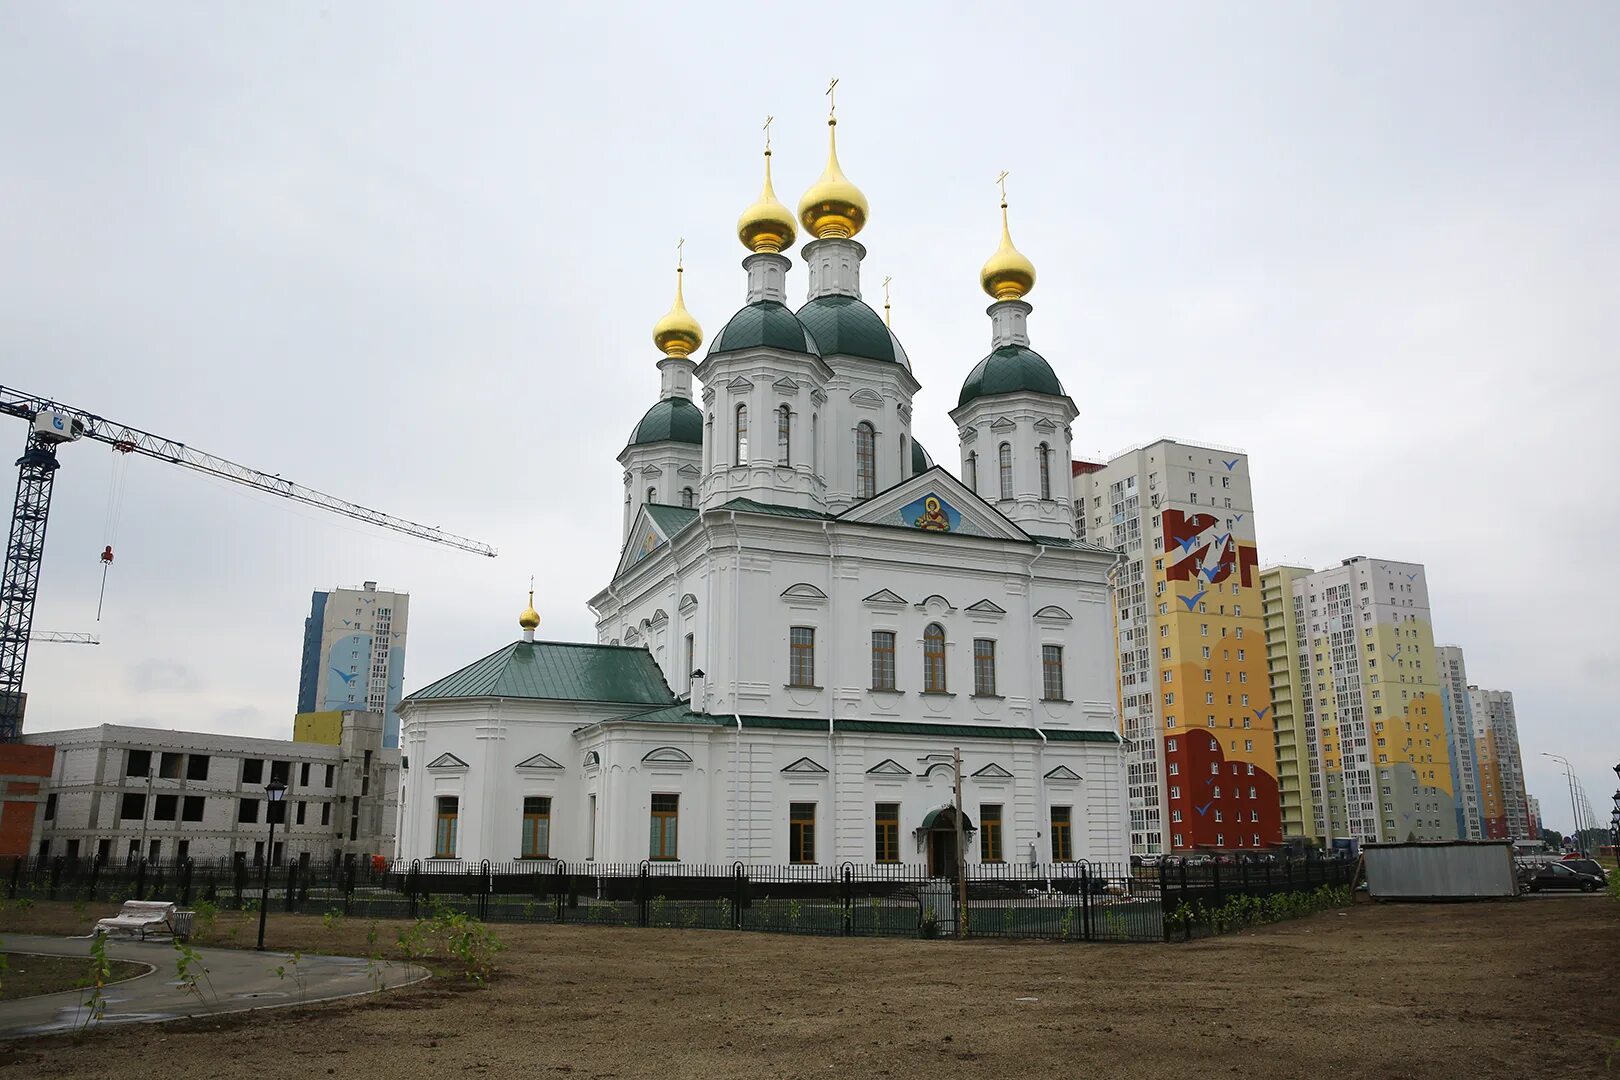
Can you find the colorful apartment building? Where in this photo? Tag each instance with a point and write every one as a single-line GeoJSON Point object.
{"type": "Point", "coordinates": [1369, 704]}
{"type": "Point", "coordinates": [1299, 775]}
{"type": "Point", "coordinates": [1503, 800]}
{"type": "Point", "coordinates": [1194, 695]}
{"type": "Point", "coordinates": [354, 654]}
{"type": "Point", "coordinates": [1460, 738]}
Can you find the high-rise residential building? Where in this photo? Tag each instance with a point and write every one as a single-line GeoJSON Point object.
{"type": "Point", "coordinates": [1535, 816]}
{"type": "Point", "coordinates": [1369, 701]}
{"type": "Point", "coordinates": [1299, 779]}
{"type": "Point", "coordinates": [354, 654]}
{"type": "Point", "coordinates": [1194, 698]}
{"type": "Point", "coordinates": [1460, 741]}
{"type": "Point", "coordinates": [1500, 764]}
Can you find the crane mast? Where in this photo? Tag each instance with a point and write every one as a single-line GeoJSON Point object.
{"type": "Point", "coordinates": [53, 423]}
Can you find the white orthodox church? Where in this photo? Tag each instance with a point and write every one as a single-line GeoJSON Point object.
{"type": "Point", "coordinates": [809, 617]}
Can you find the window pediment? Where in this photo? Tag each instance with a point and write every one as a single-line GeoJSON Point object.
{"type": "Point", "coordinates": [1052, 611]}
{"type": "Point", "coordinates": [538, 761]}
{"type": "Point", "coordinates": [447, 761]}
{"type": "Point", "coordinates": [667, 755]}
{"type": "Point", "coordinates": [803, 591]}
{"type": "Point", "coordinates": [1063, 775]}
{"type": "Point", "coordinates": [866, 399]}
{"type": "Point", "coordinates": [992, 771]}
{"type": "Point", "coordinates": [805, 765]}
{"type": "Point", "coordinates": [885, 596]}
{"type": "Point", "coordinates": [888, 767]}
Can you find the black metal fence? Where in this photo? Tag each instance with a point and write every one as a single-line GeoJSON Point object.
{"type": "Point", "coordinates": [1065, 902]}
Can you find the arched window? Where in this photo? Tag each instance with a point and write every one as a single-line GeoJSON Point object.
{"type": "Point", "coordinates": [934, 659]}
{"type": "Point", "coordinates": [784, 434]}
{"type": "Point", "coordinates": [865, 461]}
{"type": "Point", "coordinates": [741, 457]}
{"type": "Point", "coordinates": [973, 471]}
{"type": "Point", "coordinates": [1046, 471]}
{"type": "Point", "coordinates": [686, 497]}
{"type": "Point", "coordinates": [1006, 471]}
{"type": "Point", "coordinates": [652, 495]}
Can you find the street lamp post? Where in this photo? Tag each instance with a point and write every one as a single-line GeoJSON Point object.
{"type": "Point", "coordinates": [273, 791]}
{"type": "Point", "coordinates": [1569, 780]}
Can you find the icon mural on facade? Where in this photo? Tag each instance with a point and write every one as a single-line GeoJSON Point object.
{"type": "Point", "coordinates": [932, 514]}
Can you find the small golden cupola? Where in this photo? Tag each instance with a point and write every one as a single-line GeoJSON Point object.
{"type": "Point", "coordinates": [833, 206]}
{"type": "Point", "coordinates": [529, 621]}
{"type": "Point", "coordinates": [678, 333]}
{"type": "Point", "coordinates": [1008, 274]}
{"type": "Point", "coordinates": [767, 226]}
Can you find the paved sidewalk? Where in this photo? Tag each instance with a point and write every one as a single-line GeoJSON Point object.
{"type": "Point", "coordinates": [237, 979]}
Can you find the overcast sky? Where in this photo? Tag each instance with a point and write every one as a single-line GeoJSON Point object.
{"type": "Point", "coordinates": [410, 254]}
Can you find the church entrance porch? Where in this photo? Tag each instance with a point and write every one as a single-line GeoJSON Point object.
{"type": "Point", "coordinates": [938, 832]}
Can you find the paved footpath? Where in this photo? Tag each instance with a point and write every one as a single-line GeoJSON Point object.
{"type": "Point", "coordinates": [237, 979]}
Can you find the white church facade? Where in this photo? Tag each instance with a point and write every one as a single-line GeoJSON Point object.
{"type": "Point", "coordinates": [809, 618]}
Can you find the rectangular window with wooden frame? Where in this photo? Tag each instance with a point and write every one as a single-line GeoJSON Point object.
{"type": "Point", "coordinates": [883, 659]}
{"type": "Point", "coordinates": [666, 813]}
{"type": "Point", "coordinates": [802, 656]}
{"type": "Point", "coordinates": [984, 667]}
{"type": "Point", "coordinates": [1062, 836]}
{"type": "Point", "coordinates": [1052, 672]}
{"type": "Point", "coordinates": [536, 827]}
{"type": "Point", "coordinates": [444, 834]}
{"type": "Point", "coordinates": [887, 831]}
{"type": "Point", "coordinates": [802, 832]}
{"type": "Point", "coordinates": [990, 833]}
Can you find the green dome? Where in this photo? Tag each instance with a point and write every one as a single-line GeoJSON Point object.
{"type": "Point", "coordinates": [845, 326]}
{"type": "Point", "coordinates": [764, 323]}
{"type": "Point", "coordinates": [920, 461]}
{"type": "Point", "coordinates": [671, 420]}
{"type": "Point", "coordinates": [1008, 370]}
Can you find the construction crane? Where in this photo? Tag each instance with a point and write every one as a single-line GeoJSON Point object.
{"type": "Point", "coordinates": [60, 637]}
{"type": "Point", "coordinates": [51, 424]}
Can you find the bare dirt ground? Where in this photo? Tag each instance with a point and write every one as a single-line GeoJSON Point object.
{"type": "Point", "coordinates": [26, 975]}
{"type": "Point", "coordinates": [1508, 989]}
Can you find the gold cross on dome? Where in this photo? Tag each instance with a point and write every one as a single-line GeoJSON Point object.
{"type": "Point", "coordinates": [886, 300]}
{"type": "Point", "coordinates": [768, 121]}
{"type": "Point", "coordinates": [1002, 180]}
{"type": "Point", "coordinates": [680, 254]}
{"type": "Point", "coordinates": [832, 99]}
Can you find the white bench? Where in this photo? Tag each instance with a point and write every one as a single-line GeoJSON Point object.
{"type": "Point", "coordinates": [142, 917]}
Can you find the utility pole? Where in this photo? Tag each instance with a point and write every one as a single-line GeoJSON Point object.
{"type": "Point", "coordinates": [961, 853]}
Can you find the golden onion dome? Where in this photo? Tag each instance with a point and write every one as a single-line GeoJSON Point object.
{"type": "Point", "coordinates": [833, 206]}
{"type": "Point", "coordinates": [1007, 275]}
{"type": "Point", "coordinates": [530, 617]}
{"type": "Point", "coordinates": [677, 333]}
{"type": "Point", "coordinates": [767, 225]}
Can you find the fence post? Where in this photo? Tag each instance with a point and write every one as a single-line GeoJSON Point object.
{"type": "Point", "coordinates": [1289, 867]}
{"type": "Point", "coordinates": [16, 875]}
{"type": "Point", "coordinates": [95, 877]}
{"type": "Point", "coordinates": [1215, 881]}
{"type": "Point", "coordinates": [140, 879]}
{"type": "Point", "coordinates": [485, 888]}
{"type": "Point", "coordinates": [642, 885]}
{"type": "Point", "coordinates": [1187, 935]}
{"type": "Point", "coordinates": [564, 882]}
{"type": "Point", "coordinates": [348, 885]}
{"type": "Point", "coordinates": [849, 900]}
{"type": "Point", "coordinates": [185, 882]}
{"type": "Point", "coordinates": [411, 885]}
{"type": "Point", "coordinates": [239, 879]}
{"type": "Point", "coordinates": [1164, 900]}
{"type": "Point", "coordinates": [1085, 901]}
{"type": "Point", "coordinates": [56, 877]}
{"type": "Point", "coordinates": [1243, 877]}
{"type": "Point", "coordinates": [292, 884]}
{"type": "Point", "coordinates": [737, 895]}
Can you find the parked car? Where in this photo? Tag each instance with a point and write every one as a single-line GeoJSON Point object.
{"type": "Point", "coordinates": [1588, 866]}
{"type": "Point", "coordinates": [1558, 875]}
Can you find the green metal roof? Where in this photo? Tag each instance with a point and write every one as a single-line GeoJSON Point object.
{"type": "Point", "coordinates": [674, 419]}
{"type": "Point", "coordinates": [671, 519]}
{"type": "Point", "coordinates": [1008, 370]}
{"type": "Point", "coordinates": [557, 671]}
{"type": "Point", "coordinates": [920, 461]}
{"type": "Point", "coordinates": [680, 713]}
{"type": "Point", "coordinates": [768, 324]}
{"type": "Point", "coordinates": [845, 326]}
{"type": "Point", "coordinates": [753, 507]}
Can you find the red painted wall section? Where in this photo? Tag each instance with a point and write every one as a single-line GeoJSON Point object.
{"type": "Point", "coordinates": [22, 770]}
{"type": "Point", "coordinates": [1211, 785]}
